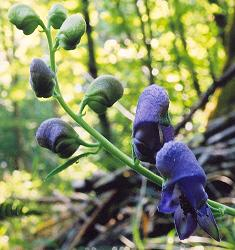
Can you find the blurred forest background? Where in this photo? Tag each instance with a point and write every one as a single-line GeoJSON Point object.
{"type": "Point", "coordinates": [186, 46]}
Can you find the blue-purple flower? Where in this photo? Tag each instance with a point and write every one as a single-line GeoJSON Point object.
{"type": "Point", "coordinates": [58, 136]}
{"type": "Point", "coordinates": [183, 193]}
{"type": "Point", "coordinates": [151, 127]}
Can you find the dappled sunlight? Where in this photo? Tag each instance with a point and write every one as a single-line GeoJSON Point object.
{"type": "Point", "coordinates": [68, 186]}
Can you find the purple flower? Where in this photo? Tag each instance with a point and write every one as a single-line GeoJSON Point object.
{"type": "Point", "coordinates": [58, 136]}
{"type": "Point", "coordinates": [151, 127]}
{"type": "Point", "coordinates": [183, 193]}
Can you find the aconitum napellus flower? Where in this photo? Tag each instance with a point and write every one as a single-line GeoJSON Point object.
{"type": "Point", "coordinates": [58, 136]}
{"type": "Point", "coordinates": [151, 128]}
{"type": "Point", "coordinates": [183, 193]}
{"type": "Point", "coordinates": [41, 78]}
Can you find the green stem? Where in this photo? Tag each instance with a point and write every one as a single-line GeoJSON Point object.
{"type": "Point", "coordinates": [225, 209]}
{"type": "Point", "coordinates": [83, 105]}
{"type": "Point", "coordinates": [52, 51]}
{"type": "Point", "coordinates": [107, 145]}
{"type": "Point", "coordinates": [89, 145]}
{"type": "Point", "coordinates": [50, 44]}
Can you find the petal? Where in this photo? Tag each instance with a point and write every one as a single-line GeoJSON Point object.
{"type": "Point", "coordinates": [152, 103]}
{"type": "Point", "coordinates": [142, 152]}
{"type": "Point", "coordinates": [176, 161]}
{"type": "Point", "coordinates": [146, 141]}
{"type": "Point", "coordinates": [185, 224]}
{"type": "Point", "coordinates": [167, 132]}
{"type": "Point", "coordinates": [207, 222]}
{"type": "Point", "coordinates": [194, 191]}
{"type": "Point", "coordinates": [169, 199]}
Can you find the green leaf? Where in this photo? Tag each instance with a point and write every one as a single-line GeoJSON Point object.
{"type": "Point", "coordinates": [68, 163]}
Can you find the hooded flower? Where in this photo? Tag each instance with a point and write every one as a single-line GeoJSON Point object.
{"type": "Point", "coordinates": [58, 136]}
{"type": "Point", "coordinates": [151, 127]}
{"type": "Point", "coordinates": [183, 193]}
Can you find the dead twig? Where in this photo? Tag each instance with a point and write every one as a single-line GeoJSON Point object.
{"type": "Point", "coordinates": [221, 82]}
{"type": "Point", "coordinates": [91, 221]}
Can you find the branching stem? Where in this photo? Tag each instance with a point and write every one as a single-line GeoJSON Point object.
{"type": "Point", "coordinates": [107, 145]}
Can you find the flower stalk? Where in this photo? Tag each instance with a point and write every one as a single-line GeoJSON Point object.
{"type": "Point", "coordinates": [108, 146]}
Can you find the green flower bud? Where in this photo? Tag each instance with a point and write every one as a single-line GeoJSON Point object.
{"type": "Point", "coordinates": [58, 136]}
{"type": "Point", "coordinates": [71, 31]}
{"type": "Point", "coordinates": [24, 18]}
{"type": "Point", "coordinates": [57, 15]}
{"type": "Point", "coordinates": [103, 92]}
{"type": "Point", "coordinates": [41, 78]}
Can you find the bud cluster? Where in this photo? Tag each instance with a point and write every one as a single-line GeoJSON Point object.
{"type": "Point", "coordinates": [55, 134]}
{"type": "Point", "coordinates": [70, 28]}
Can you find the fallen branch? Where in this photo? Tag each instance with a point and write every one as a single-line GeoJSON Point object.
{"type": "Point", "coordinates": [91, 221]}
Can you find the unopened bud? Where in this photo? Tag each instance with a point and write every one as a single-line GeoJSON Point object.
{"type": "Point", "coordinates": [41, 78]}
{"type": "Point", "coordinates": [103, 92]}
{"type": "Point", "coordinates": [57, 15]}
{"type": "Point", "coordinates": [58, 136]}
{"type": "Point", "coordinates": [71, 31]}
{"type": "Point", "coordinates": [24, 18]}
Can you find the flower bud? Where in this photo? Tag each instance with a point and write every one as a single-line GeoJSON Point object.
{"type": "Point", "coordinates": [71, 31]}
{"type": "Point", "coordinates": [58, 136]}
{"type": "Point", "coordinates": [41, 78]}
{"type": "Point", "coordinates": [103, 92]}
{"type": "Point", "coordinates": [57, 15]}
{"type": "Point", "coordinates": [151, 128]}
{"type": "Point", "coordinates": [24, 18]}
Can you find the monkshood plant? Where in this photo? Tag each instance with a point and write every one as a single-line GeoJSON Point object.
{"type": "Point", "coordinates": [183, 180]}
